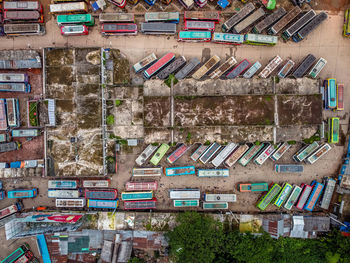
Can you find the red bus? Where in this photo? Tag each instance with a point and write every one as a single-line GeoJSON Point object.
{"type": "Point", "coordinates": [140, 204]}
{"type": "Point", "coordinates": [119, 29]}
{"type": "Point", "coordinates": [177, 153]}
{"type": "Point", "coordinates": [340, 102]}
{"type": "Point", "coordinates": [304, 196]}
{"type": "Point", "coordinates": [23, 16]}
{"type": "Point", "coordinates": [161, 63]}
{"type": "Point", "coordinates": [141, 186]}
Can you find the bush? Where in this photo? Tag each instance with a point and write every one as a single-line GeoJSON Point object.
{"type": "Point", "coordinates": [110, 119]}
{"type": "Point", "coordinates": [118, 103]}
{"type": "Point", "coordinates": [168, 81]}
{"type": "Point", "coordinates": [207, 142]}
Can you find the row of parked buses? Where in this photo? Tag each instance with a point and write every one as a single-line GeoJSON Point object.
{"type": "Point", "coordinates": [304, 197]}
{"type": "Point", "coordinates": [21, 18]}
{"type": "Point", "coordinates": [229, 69]}
{"type": "Point", "coordinates": [224, 155]}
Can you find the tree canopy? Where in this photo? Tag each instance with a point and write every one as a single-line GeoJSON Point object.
{"type": "Point", "coordinates": [200, 239]}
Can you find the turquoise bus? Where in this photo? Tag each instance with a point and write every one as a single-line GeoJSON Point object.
{"type": "Point", "coordinates": [183, 170]}
{"type": "Point", "coordinates": [331, 87]}
{"type": "Point", "coordinates": [195, 36]}
{"type": "Point", "coordinates": [31, 193]}
{"type": "Point", "coordinates": [226, 38]}
{"type": "Point", "coordinates": [215, 205]}
{"type": "Point", "coordinates": [16, 254]}
{"type": "Point", "coordinates": [186, 203]}
{"type": "Point", "coordinates": [129, 196]}
{"type": "Point", "coordinates": [333, 130]}
{"type": "Point", "coordinates": [81, 19]}
{"type": "Point", "coordinates": [287, 188]}
{"type": "Point", "coordinates": [157, 157]}
{"type": "Point", "coordinates": [305, 152]}
{"type": "Point", "coordinates": [267, 199]}
{"type": "Point", "coordinates": [292, 198]}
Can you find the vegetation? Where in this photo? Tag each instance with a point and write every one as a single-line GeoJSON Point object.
{"type": "Point", "coordinates": [207, 142]}
{"type": "Point", "coordinates": [118, 103]}
{"type": "Point", "coordinates": [312, 139]}
{"type": "Point", "coordinates": [188, 137]}
{"type": "Point", "coordinates": [110, 119]}
{"type": "Point", "coordinates": [292, 142]}
{"type": "Point", "coordinates": [200, 239]}
{"type": "Point", "coordinates": [136, 260]}
{"type": "Point", "coordinates": [257, 143]}
{"type": "Point", "coordinates": [33, 114]}
{"type": "Point", "coordinates": [168, 81]}
{"type": "Point", "coordinates": [155, 144]}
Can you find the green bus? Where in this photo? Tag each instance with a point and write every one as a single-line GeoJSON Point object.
{"type": "Point", "coordinates": [267, 199]}
{"type": "Point", "coordinates": [333, 130]}
{"type": "Point", "coordinates": [16, 254]}
{"type": "Point", "coordinates": [257, 39]}
{"type": "Point", "coordinates": [346, 28]}
{"type": "Point", "coordinates": [159, 154]}
{"type": "Point", "coordinates": [81, 19]}
{"type": "Point", "coordinates": [287, 188]}
{"type": "Point", "coordinates": [186, 203]}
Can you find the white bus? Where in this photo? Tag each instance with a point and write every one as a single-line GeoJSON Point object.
{"type": "Point", "coordinates": [198, 153]}
{"type": "Point", "coordinates": [206, 156]}
{"type": "Point", "coordinates": [143, 64]}
{"type": "Point", "coordinates": [63, 193]}
{"type": "Point", "coordinates": [322, 150]}
{"type": "Point", "coordinates": [23, 29]}
{"type": "Point", "coordinates": [117, 17]}
{"type": "Point", "coordinates": [156, 171]}
{"type": "Point", "coordinates": [96, 183]}
{"type": "Point", "coordinates": [320, 64]}
{"type": "Point", "coordinates": [80, 202]}
{"type": "Point", "coordinates": [184, 194]}
{"type": "Point", "coordinates": [220, 198]}
{"type": "Point", "coordinates": [77, 7]}
{"type": "Point", "coordinates": [236, 155]}
{"type": "Point", "coordinates": [221, 157]}
{"type": "Point", "coordinates": [142, 158]}
{"type": "Point", "coordinates": [304, 152]}
{"type": "Point", "coordinates": [282, 148]}
{"type": "Point", "coordinates": [328, 193]}
{"type": "Point", "coordinates": [213, 172]}
{"type": "Point", "coordinates": [265, 154]}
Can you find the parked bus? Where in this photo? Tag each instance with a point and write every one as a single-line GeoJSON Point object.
{"type": "Point", "coordinates": [209, 65]}
{"type": "Point", "coordinates": [236, 155]}
{"type": "Point", "coordinates": [172, 17]}
{"type": "Point", "coordinates": [220, 198]}
{"type": "Point", "coordinates": [213, 172]}
{"type": "Point", "coordinates": [227, 38]}
{"type": "Point", "coordinates": [9, 146]}
{"type": "Point", "coordinates": [273, 64]}
{"type": "Point", "coordinates": [239, 69]}
{"type": "Point", "coordinates": [30, 193]}
{"type": "Point", "coordinates": [265, 154]}
{"type": "Point", "coordinates": [322, 150]}
{"type": "Point", "coordinates": [96, 183]}
{"type": "Point", "coordinates": [14, 77]}
{"type": "Point", "coordinates": [314, 196]}
{"type": "Point", "coordinates": [269, 197]}
{"type": "Point", "coordinates": [156, 171]}
{"type": "Point", "coordinates": [209, 153]}
{"type": "Point", "coordinates": [172, 67]}
{"type": "Point", "coordinates": [262, 40]}
{"type": "Point", "coordinates": [141, 65]}
{"type": "Point", "coordinates": [140, 204]}
{"type": "Point", "coordinates": [305, 152]}
{"type": "Point", "coordinates": [346, 27]}
{"type": "Point", "coordinates": [180, 151]}
{"type": "Point", "coordinates": [157, 157]}
{"type": "Point", "coordinates": [158, 28]}
{"type": "Point", "coordinates": [75, 7]}
{"type": "Point", "coordinates": [188, 68]}
{"type": "Point", "coordinates": [223, 68]}
{"type": "Point", "coordinates": [289, 168]}
{"type": "Point", "coordinates": [284, 21]}
{"type": "Point", "coordinates": [199, 25]}
{"type": "Point", "coordinates": [286, 69]}
{"type": "Point", "coordinates": [331, 91]}
{"type": "Point", "coordinates": [107, 194]}
{"type": "Point", "coordinates": [248, 21]}
{"type": "Point", "coordinates": [236, 18]}
{"type": "Point", "coordinates": [304, 66]}
{"type": "Point", "coordinates": [183, 170]}
{"type": "Point", "coordinates": [118, 29]}
{"type": "Point", "coordinates": [12, 109]}
{"type": "Point", "coordinates": [317, 68]}
{"type": "Point", "coordinates": [184, 194]}
{"type": "Point", "coordinates": [312, 25]}
{"type": "Point", "coordinates": [16, 254]}
{"type": "Point", "coordinates": [254, 150]}
{"type": "Point", "coordinates": [15, 87]}
{"type": "Point", "coordinates": [194, 36]}
{"type": "Point", "coordinates": [141, 186]}
{"type": "Point", "coordinates": [81, 19]}
{"type": "Point", "coordinates": [222, 156]}
{"type": "Point", "coordinates": [116, 18]}
{"type": "Point", "coordinates": [25, 133]}
{"type": "Point", "coordinates": [215, 205]}
{"type": "Point", "coordinates": [10, 210]}
{"type": "Point", "coordinates": [281, 149]}
{"type": "Point", "coordinates": [269, 20]}
{"type": "Point", "coordinates": [158, 66]}
{"type": "Point", "coordinates": [22, 5]}
{"type": "Point", "coordinates": [23, 17]}
{"type": "Point", "coordinates": [62, 184]}
{"type": "Point", "coordinates": [51, 193]}
{"type": "Point", "coordinates": [71, 203]}
{"type": "Point", "coordinates": [252, 70]}
{"type": "Point", "coordinates": [186, 203]}
{"type": "Point", "coordinates": [293, 197]}
{"type": "Point", "coordinates": [202, 16]}
{"type": "Point", "coordinates": [253, 187]}
{"type": "Point", "coordinates": [303, 196]}
{"type": "Point", "coordinates": [328, 193]}
{"type": "Point", "coordinates": [199, 151]}
{"type": "Point", "coordinates": [26, 257]}
{"type": "Point", "coordinates": [333, 130]}
{"type": "Point", "coordinates": [340, 97]}
{"type": "Point", "coordinates": [300, 23]}
{"type": "Point", "coordinates": [23, 30]}
{"type": "Point", "coordinates": [130, 196]}
{"type": "Point", "coordinates": [287, 188]}
{"type": "Point", "coordinates": [103, 204]}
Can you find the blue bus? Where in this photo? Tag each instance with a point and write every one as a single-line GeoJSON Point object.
{"type": "Point", "coordinates": [331, 91]}
{"type": "Point", "coordinates": [314, 196]}
{"type": "Point", "coordinates": [43, 250]}
{"type": "Point", "coordinates": [30, 193]}
{"type": "Point", "coordinates": [184, 170]}
{"type": "Point", "coordinates": [107, 204]}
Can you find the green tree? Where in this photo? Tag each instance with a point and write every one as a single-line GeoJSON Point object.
{"type": "Point", "coordinates": [136, 260]}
